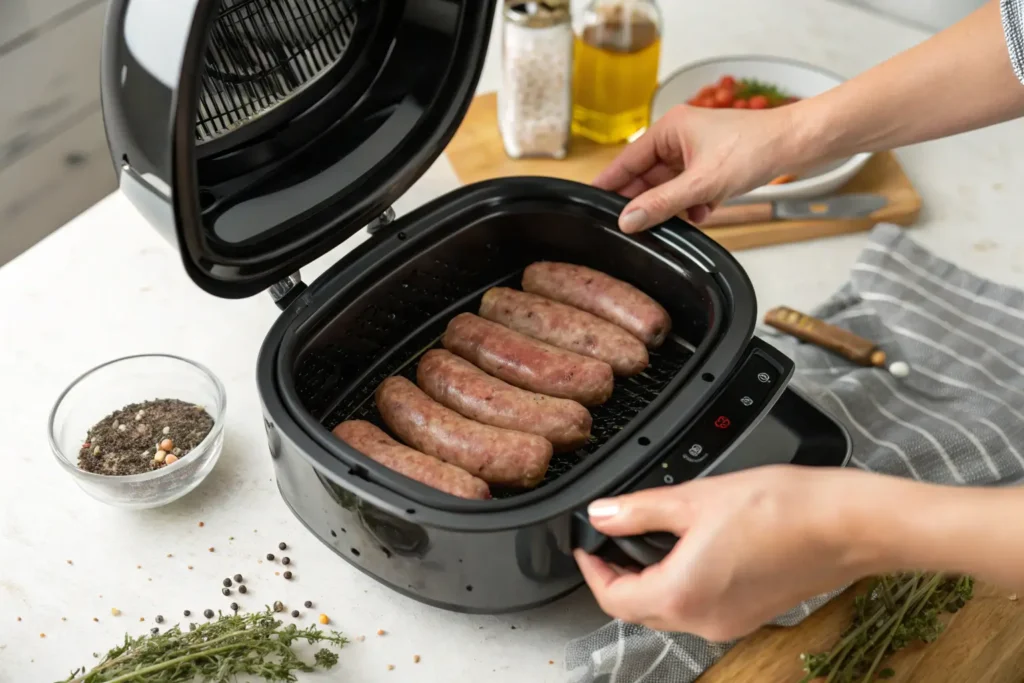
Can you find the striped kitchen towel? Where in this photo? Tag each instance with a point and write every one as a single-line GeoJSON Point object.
{"type": "Point", "coordinates": [958, 418]}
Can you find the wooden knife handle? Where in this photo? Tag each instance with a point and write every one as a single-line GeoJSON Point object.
{"type": "Point", "coordinates": [738, 214]}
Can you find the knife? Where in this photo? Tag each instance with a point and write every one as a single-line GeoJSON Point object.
{"type": "Point", "coordinates": [826, 208]}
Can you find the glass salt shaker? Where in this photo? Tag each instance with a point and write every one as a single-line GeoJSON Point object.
{"type": "Point", "coordinates": [535, 98]}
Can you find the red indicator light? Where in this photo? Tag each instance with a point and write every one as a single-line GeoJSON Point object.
{"type": "Point", "coordinates": [722, 422]}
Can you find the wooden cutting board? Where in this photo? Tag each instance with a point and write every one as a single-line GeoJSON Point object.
{"type": "Point", "coordinates": [983, 643]}
{"type": "Point", "coordinates": [476, 154]}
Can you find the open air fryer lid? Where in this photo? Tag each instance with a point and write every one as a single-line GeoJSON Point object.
{"type": "Point", "coordinates": [259, 134]}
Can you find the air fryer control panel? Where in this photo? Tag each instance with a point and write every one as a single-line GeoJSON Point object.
{"type": "Point", "coordinates": [759, 378]}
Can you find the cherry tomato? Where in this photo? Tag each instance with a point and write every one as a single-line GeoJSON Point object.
{"type": "Point", "coordinates": [708, 102]}
{"type": "Point", "coordinates": [723, 98]}
{"type": "Point", "coordinates": [758, 102]}
{"type": "Point", "coordinates": [707, 91]}
{"type": "Point", "coordinates": [727, 82]}
{"type": "Point", "coordinates": [740, 104]}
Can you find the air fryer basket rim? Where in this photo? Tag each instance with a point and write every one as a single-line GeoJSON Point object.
{"type": "Point", "coordinates": [330, 458]}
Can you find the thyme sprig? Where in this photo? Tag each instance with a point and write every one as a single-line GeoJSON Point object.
{"type": "Point", "coordinates": [896, 611]}
{"type": "Point", "coordinates": [254, 644]}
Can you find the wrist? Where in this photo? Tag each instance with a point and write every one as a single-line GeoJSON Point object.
{"type": "Point", "coordinates": [810, 135]}
{"type": "Point", "coordinates": [862, 524]}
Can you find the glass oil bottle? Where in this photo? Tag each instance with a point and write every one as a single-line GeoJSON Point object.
{"type": "Point", "coordinates": [615, 69]}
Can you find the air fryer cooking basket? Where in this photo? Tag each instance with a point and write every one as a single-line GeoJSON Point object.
{"type": "Point", "coordinates": [401, 310]}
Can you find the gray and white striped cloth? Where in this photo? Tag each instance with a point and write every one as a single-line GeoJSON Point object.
{"type": "Point", "coordinates": [958, 418]}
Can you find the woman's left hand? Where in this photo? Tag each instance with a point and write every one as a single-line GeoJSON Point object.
{"type": "Point", "coordinates": [752, 545]}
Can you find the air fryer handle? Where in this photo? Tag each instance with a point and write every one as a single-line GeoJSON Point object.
{"type": "Point", "coordinates": [625, 551]}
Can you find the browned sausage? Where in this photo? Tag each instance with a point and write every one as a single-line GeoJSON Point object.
{"type": "Point", "coordinates": [527, 363]}
{"type": "Point", "coordinates": [565, 327]}
{"type": "Point", "coordinates": [604, 296]}
{"type": "Point", "coordinates": [372, 442]}
{"type": "Point", "coordinates": [469, 391]}
{"type": "Point", "coordinates": [498, 456]}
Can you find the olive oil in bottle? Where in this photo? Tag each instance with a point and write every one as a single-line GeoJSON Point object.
{"type": "Point", "coordinates": [615, 69]}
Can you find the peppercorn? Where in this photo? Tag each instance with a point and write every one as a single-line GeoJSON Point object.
{"type": "Point", "coordinates": [308, 603]}
{"type": "Point", "coordinates": [188, 613]}
{"type": "Point", "coordinates": [154, 630]}
{"type": "Point", "coordinates": [286, 560]}
{"type": "Point", "coordinates": [159, 619]}
{"type": "Point", "coordinates": [234, 607]}
{"type": "Point", "coordinates": [295, 613]}
{"type": "Point", "coordinates": [278, 606]}
{"type": "Point", "coordinates": [208, 613]}
{"type": "Point", "coordinates": [225, 591]}
{"type": "Point", "coordinates": [270, 557]}
{"type": "Point", "coordinates": [288, 575]}
{"type": "Point", "coordinates": [227, 583]}
{"type": "Point", "coordinates": [282, 545]}
{"type": "Point", "coordinates": [238, 578]}
{"type": "Point", "coordinates": [243, 589]}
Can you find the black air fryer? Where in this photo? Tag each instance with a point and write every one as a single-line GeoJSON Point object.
{"type": "Point", "coordinates": [257, 135]}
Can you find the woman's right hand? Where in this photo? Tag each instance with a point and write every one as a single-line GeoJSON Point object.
{"type": "Point", "coordinates": [692, 159]}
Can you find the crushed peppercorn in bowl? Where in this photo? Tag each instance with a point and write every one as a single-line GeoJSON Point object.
{"type": "Point", "coordinates": [93, 398]}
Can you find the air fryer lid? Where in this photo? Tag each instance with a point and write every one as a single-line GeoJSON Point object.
{"type": "Point", "coordinates": [276, 129]}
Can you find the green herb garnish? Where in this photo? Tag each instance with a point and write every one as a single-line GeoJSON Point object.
{"type": "Point", "coordinates": [749, 87]}
{"type": "Point", "coordinates": [896, 611]}
{"type": "Point", "coordinates": [254, 644]}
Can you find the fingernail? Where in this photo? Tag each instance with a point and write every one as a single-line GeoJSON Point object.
{"type": "Point", "coordinates": [603, 508]}
{"type": "Point", "coordinates": [634, 221]}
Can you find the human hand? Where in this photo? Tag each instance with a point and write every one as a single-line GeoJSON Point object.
{"type": "Point", "coordinates": [692, 159]}
{"type": "Point", "coordinates": [754, 544]}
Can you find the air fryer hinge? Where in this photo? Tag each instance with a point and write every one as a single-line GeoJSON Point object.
{"type": "Point", "coordinates": [384, 219]}
{"type": "Point", "coordinates": [287, 290]}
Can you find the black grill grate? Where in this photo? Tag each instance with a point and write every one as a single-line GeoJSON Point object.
{"type": "Point", "coordinates": [324, 377]}
{"type": "Point", "coordinates": [263, 52]}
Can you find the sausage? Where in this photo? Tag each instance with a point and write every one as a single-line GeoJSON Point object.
{"type": "Point", "coordinates": [471, 392]}
{"type": "Point", "coordinates": [565, 327]}
{"type": "Point", "coordinates": [372, 442]}
{"type": "Point", "coordinates": [592, 291]}
{"type": "Point", "coordinates": [527, 363]}
{"type": "Point", "coordinates": [498, 456]}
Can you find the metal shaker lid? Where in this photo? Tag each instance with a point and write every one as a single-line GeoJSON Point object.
{"type": "Point", "coordinates": [537, 14]}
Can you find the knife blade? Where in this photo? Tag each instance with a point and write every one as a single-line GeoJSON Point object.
{"type": "Point", "coordinates": [826, 208]}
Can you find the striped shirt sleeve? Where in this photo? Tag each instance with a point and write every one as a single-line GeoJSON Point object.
{"type": "Point", "coordinates": [1013, 27]}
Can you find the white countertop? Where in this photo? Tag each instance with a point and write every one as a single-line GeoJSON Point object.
{"type": "Point", "coordinates": [106, 285]}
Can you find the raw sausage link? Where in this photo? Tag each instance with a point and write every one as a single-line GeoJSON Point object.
{"type": "Point", "coordinates": [527, 363]}
{"type": "Point", "coordinates": [604, 296]}
{"type": "Point", "coordinates": [565, 327]}
{"type": "Point", "coordinates": [372, 442]}
{"type": "Point", "coordinates": [498, 456]}
{"type": "Point", "coordinates": [471, 392]}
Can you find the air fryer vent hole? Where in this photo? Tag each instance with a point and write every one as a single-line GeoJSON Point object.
{"type": "Point", "coordinates": [410, 511]}
{"type": "Point", "coordinates": [708, 377]}
{"type": "Point", "coordinates": [354, 552]}
{"type": "Point", "coordinates": [644, 441]}
{"type": "Point", "coordinates": [469, 588]}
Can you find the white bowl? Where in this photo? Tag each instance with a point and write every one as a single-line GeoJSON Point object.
{"type": "Point", "coordinates": [796, 79]}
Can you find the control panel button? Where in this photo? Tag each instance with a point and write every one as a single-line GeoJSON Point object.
{"type": "Point", "coordinates": [695, 453]}
{"type": "Point", "coordinates": [746, 401]}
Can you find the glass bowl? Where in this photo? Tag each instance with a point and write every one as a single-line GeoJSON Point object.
{"type": "Point", "coordinates": [135, 379]}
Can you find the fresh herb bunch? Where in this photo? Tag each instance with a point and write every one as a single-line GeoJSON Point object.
{"type": "Point", "coordinates": [254, 644]}
{"type": "Point", "coordinates": [749, 87]}
{"type": "Point", "coordinates": [896, 611]}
